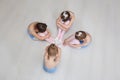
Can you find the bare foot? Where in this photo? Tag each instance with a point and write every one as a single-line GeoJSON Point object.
{"type": "Point", "coordinates": [64, 43]}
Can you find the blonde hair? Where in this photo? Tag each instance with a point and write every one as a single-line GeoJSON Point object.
{"type": "Point", "coordinates": [52, 50]}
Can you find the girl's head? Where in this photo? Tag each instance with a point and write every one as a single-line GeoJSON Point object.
{"type": "Point", "coordinates": [65, 16]}
{"type": "Point", "coordinates": [41, 27]}
{"type": "Point", "coordinates": [52, 50]}
{"type": "Point", "coordinates": [80, 35]}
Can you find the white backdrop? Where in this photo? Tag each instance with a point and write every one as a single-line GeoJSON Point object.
{"type": "Point", "coordinates": [21, 58]}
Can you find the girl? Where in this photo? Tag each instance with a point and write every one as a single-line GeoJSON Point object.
{"type": "Point", "coordinates": [39, 30]}
{"type": "Point", "coordinates": [51, 58]}
{"type": "Point", "coordinates": [64, 22]}
{"type": "Point", "coordinates": [79, 39]}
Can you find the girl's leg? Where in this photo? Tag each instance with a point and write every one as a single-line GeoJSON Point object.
{"type": "Point", "coordinates": [58, 39]}
{"type": "Point", "coordinates": [61, 35]}
{"type": "Point", "coordinates": [50, 40]}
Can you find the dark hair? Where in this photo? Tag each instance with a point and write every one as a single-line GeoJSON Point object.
{"type": "Point", "coordinates": [41, 27]}
{"type": "Point", "coordinates": [52, 50]}
{"type": "Point", "coordinates": [80, 35]}
{"type": "Point", "coordinates": [65, 18]}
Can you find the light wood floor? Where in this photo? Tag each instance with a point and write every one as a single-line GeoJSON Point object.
{"type": "Point", "coordinates": [22, 58]}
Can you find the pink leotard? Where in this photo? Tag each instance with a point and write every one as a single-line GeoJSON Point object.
{"type": "Point", "coordinates": [43, 34]}
{"type": "Point", "coordinates": [74, 41]}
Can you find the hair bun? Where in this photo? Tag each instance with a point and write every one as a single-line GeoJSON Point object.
{"type": "Point", "coordinates": [52, 50]}
{"type": "Point", "coordinates": [65, 14]}
{"type": "Point", "coordinates": [52, 46]}
{"type": "Point", "coordinates": [79, 33]}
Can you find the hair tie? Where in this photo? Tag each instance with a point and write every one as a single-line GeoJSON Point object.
{"type": "Point", "coordinates": [80, 33]}
{"type": "Point", "coordinates": [64, 14]}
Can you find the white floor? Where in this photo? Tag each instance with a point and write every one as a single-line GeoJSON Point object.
{"type": "Point", "coordinates": [21, 58]}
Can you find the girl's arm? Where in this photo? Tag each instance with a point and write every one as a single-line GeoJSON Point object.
{"type": "Point", "coordinates": [66, 41]}
{"type": "Point", "coordinates": [75, 45]}
{"type": "Point", "coordinates": [58, 56]}
{"type": "Point", "coordinates": [46, 53]}
{"type": "Point", "coordinates": [70, 37]}
{"type": "Point", "coordinates": [60, 25]}
{"type": "Point", "coordinates": [32, 31]}
{"type": "Point", "coordinates": [37, 36]}
{"type": "Point", "coordinates": [72, 19]}
{"type": "Point", "coordinates": [48, 34]}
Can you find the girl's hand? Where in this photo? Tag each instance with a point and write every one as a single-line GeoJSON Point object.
{"type": "Point", "coordinates": [48, 35]}
{"type": "Point", "coordinates": [65, 43]}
